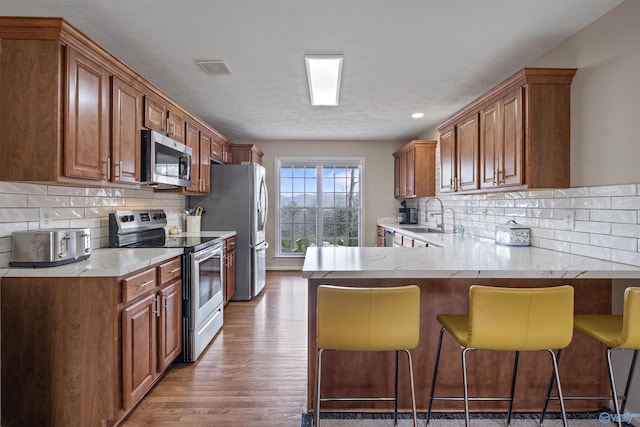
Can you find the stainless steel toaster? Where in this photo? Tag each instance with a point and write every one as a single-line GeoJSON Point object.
{"type": "Point", "coordinates": [50, 247]}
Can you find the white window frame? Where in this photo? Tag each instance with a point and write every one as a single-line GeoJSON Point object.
{"type": "Point", "coordinates": [329, 161]}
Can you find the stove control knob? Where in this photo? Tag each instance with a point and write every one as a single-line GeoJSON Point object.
{"type": "Point", "coordinates": [125, 218]}
{"type": "Point", "coordinates": [131, 218]}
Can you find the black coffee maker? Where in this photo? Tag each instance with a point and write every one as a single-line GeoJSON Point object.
{"type": "Point", "coordinates": [407, 215]}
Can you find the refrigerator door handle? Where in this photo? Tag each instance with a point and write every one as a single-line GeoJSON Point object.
{"type": "Point", "coordinates": [261, 246]}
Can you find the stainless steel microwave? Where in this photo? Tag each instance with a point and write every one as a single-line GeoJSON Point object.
{"type": "Point", "coordinates": [166, 163]}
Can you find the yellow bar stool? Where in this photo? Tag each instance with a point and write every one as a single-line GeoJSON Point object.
{"type": "Point", "coordinates": [616, 333]}
{"type": "Point", "coordinates": [509, 319]}
{"type": "Point", "coordinates": [367, 319]}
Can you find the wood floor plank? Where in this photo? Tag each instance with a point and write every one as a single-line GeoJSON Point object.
{"type": "Point", "coordinates": [253, 374]}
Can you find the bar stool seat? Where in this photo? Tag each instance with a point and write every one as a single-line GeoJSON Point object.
{"type": "Point", "coordinates": [616, 332]}
{"type": "Point", "coordinates": [508, 319]}
{"type": "Point", "coordinates": [367, 319]}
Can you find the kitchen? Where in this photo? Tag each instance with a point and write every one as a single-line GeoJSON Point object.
{"type": "Point", "coordinates": [603, 163]}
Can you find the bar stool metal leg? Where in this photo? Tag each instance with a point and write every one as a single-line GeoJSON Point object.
{"type": "Point", "coordinates": [552, 380]}
{"type": "Point", "coordinates": [513, 387]}
{"type": "Point", "coordinates": [435, 375]}
{"type": "Point", "coordinates": [464, 384]}
{"type": "Point", "coordinates": [614, 393]}
{"type": "Point", "coordinates": [632, 369]}
{"type": "Point", "coordinates": [413, 389]}
{"type": "Point", "coordinates": [560, 397]}
{"type": "Point", "coordinates": [316, 406]}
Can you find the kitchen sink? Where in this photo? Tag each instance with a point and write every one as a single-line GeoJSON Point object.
{"type": "Point", "coordinates": [422, 229]}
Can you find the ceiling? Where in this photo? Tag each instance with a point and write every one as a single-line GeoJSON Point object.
{"type": "Point", "coordinates": [400, 56]}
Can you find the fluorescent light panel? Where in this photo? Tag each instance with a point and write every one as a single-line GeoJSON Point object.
{"type": "Point", "coordinates": [324, 73]}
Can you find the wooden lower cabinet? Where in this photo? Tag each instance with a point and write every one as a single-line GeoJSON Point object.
{"type": "Point", "coordinates": [229, 269]}
{"type": "Point", "coordinates": [84, 350]}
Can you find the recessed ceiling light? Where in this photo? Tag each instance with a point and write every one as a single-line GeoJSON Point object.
{"type": "Point", "coordinates": [417, 115]}
{"type": "Point", "coordinates": [324, 73]}
{"type": "Point", "coordinates": [213, 66]}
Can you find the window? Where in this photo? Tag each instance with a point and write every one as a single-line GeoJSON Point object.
{"type": "Point", "coordinates": [319, 200]}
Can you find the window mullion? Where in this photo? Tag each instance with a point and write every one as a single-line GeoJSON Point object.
{"type": "Point", "coordinates": [320, 210]}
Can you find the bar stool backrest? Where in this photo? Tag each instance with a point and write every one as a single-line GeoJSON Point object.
{"type": "Point", "coordinates": [368, 319]}
{"type": "Point", "coordinates": [520, 319]}
{"type": "Point", "coordinates": [630, 335]}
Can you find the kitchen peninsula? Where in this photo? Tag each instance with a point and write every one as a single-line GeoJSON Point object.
{"type": "Point", "coordinates": [444, 270]}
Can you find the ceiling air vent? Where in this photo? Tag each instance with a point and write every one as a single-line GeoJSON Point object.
{"type": "Point", "coordinates": [214, 67]}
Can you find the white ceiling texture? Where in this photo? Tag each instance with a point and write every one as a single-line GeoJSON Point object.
{"type": "Point", "coordinates": [400, 56]}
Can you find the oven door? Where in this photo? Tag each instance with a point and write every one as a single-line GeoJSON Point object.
{"type": "Point", "coordinates": [206, 285]}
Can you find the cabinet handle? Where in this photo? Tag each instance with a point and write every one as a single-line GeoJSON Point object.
{"type": "Point", "coordinates": [495, 174]}
{"type": "Point", "coordinates": [157, 309]}
{"type": "Point", "coordinates": [118, 170]}
{"type": "Point", "coordinates": [165, 302]}
{"type": "Point", "coordinates": [147, 283]}
{"type": "Point", "coordinates": [500, 181]}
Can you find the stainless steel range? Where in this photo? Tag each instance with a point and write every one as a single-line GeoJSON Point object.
{"type": "Point", "coordinates": [202, 272]}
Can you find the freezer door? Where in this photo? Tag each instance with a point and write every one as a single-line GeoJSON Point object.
{"type": "Point", "coordinates": [262, 204]}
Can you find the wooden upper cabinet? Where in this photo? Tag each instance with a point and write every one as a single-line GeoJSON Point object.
{"type": "Point", "coordinates": [204, 166]}
{"type": "Point", "coordinates": [448, 160]}
{"type": "Point", "coordinates": [155, 114]}
{"type": "Point", "coordinates": [501, 144]}
{"type": "Point", "coordinates": [415, 170]}
{"type": "Point", "coordinates": [246, 153]}
{"type": "Point", "coordinates": [75, 110]}
{"type": "Point", "coordinates": [217, 150]}
{"type": "Point", "coordinates": [160, 117]}
{"type": "Point", "coordinates": [86, 130]}
{"type": "Point", "coordinates": [200, 143]}
{"type": "Point", "coordinates": [193, 141]}
{"type": "Point", "coordinates": [127, 104]}
{"type": "Point", "coordinates": [227, 153]}
{"type": "Point", "coordinates": [467, 153]}
{"type": "Point", "coordinates": [522, 133]}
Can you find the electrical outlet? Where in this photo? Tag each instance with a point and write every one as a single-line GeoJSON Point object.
{"type": "Point", "coordinates": [568, 219]}
{"type": "Point", "coordinates": [46, 217]}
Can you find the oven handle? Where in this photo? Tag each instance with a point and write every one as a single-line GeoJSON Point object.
{"type": "Point", "coordinates": [205, 254]}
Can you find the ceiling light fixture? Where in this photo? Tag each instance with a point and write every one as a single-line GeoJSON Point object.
{"type": "Point", "coordinates": [417, 115]}
{"type": "Point", "coordinates": [324, 73]}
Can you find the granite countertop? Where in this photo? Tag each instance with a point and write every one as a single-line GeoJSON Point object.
{"type": "Point", "coordinates": [457, 256]}
{"type": "Point", "coordinates": [113, 262]}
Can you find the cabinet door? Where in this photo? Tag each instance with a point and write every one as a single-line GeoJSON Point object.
{"type": "Point", "coordinates": [410, 164]}
{"type": "Point", "coordinates": [205, 161]}
{"type": "Point", "coordinates": [402, 174]}
{"type": "Point", "coordinates": [170, 325]}
{"type": "Point", "coordinates": [217, 150]}
{"type": "Point", "coordinates": [467, 153]}
{"type": "Point", "coordinates": [396, 176]}
{"type": "Point", "coordinates": [126, 126]}
{"type": "Point", "coordinates": [227, 153]}
{"type": "Point", "coordinates": [229, 269]}
{"type": "Point", "coordinates": [176, 126]}
{"type": "Point", "coordinates": [86, 139]}
{"type": "Point", "coordinates": [512, 162]}
{"type": "Point", "coordinates": [490, 145]}
{"type": "Point", "coordinates": [448, 160]}
{"type": "Point", "coordinates": [139, 349]}
{"type": "Point", "coordinates": [155, 114]}
{"type": "Point", "coordinates": [193, 141]}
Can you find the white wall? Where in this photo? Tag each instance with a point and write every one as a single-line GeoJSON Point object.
{"type": "Point", "coordinates": [378, 182]}
{"type": "Point", "coordinates": [605, 97]}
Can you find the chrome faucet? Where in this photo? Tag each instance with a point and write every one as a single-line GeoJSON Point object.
{"type": "Point", "coordinates": [453, 219]}
{"type": "Point", "coordinates": [441, 213]}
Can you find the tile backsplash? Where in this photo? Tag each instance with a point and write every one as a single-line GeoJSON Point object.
{"type": "Point", "coordinates": [26, 206]}
{"type": "Point", "coordinates": [598, 222]}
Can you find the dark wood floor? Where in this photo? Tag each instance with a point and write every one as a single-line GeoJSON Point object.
{"type": "Point", "coordinates": [254, 373]}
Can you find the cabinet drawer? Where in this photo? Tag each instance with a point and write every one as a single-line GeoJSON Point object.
{"type": "Point", "coordinates": [169, 271]}
{"type": "Point", "coordinates": [138, 284]}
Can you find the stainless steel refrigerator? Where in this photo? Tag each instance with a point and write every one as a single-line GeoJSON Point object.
{"type": "Point", "coordinates": [238, 201]}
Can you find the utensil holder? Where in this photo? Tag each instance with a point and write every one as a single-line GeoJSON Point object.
{"type": "Point", "coordinates": [193, 223]}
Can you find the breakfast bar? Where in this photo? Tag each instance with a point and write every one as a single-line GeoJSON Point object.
{"type": "Point", "coordinates": [444, 270]}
